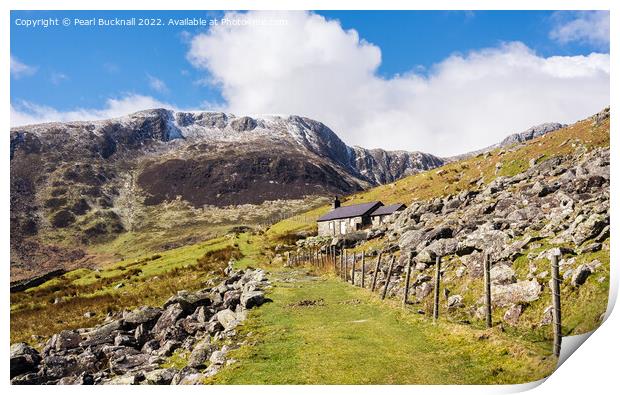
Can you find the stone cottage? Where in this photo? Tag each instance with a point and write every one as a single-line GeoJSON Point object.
{"type": "Point", "coordinates": [346, 219]}
{"type": "Point", "coordinates": [384, 213]}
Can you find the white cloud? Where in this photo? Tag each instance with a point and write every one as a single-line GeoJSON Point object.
{"type": "Point", "coordinates": [24, 113]}
{"type": "Point", "coordinates": [590, 27]}
{"type": "Point", "coordinates": [156, 84]}
{"type": "Point", "coordinates": [311, 66]}
{"type": "Point", "coordinates": [57, 78]}
{"type": "Point", "coordinates": [19, 69]}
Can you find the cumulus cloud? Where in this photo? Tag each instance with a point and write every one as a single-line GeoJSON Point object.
{"type": "Point", "coordinates": [591, 27]}
{"type": "Point", "coordinates": [19, 69]}
{"type": "Point", "coordinates": [25, 113]}
{"type": "Point", "coordinates": [311, 66]}
{"type": "Point", "coordinates": [156, 84]}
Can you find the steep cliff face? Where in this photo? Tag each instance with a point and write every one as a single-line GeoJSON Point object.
{"type": "Point", "coordinates": [381, 167]}
{"type": "Point", "coordinates": [81, 183]}
{"type": "Point", "coordinates": [515, 138]}
{"type": "Point", "coordinates": [77, 183]}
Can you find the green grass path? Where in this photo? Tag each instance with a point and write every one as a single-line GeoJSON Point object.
{"type": "Point", "coordinates": [349, 336]}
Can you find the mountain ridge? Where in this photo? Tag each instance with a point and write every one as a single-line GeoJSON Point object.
{"type": "Point", "coordinates": [81, 183]}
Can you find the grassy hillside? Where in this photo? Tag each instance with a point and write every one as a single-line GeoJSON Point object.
{"type": "Point", "coordinates": [460, 175]}
{"type": "Point", "coordinates": [320, 330]}
{"type": "Point", "coordinates": [150, 279]}
{"type": "Point", "coordinates": [582, 306]}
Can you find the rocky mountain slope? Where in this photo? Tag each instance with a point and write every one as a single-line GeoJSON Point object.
{"type": "Point", "coordinates": [559, 201]}
{"type": "Point", "coordinates": [81, 183]}
{"type": "Point", "coordinates": [131, 347]}
{"type": "Point", "coordinates": [515, 138]}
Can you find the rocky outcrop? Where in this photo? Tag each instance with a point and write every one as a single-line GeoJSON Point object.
{"type": "Point", "coordinates": [130, 347]}
{"type": "Point", "coordinates": [560, 204]}
{"type": "Point", "coordinates": [516, 138]}
{"type": "Point", "coordinates": [89, 179]}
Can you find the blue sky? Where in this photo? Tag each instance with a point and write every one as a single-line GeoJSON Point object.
{"type": "Point", "coordinates": [71, 68]}
{"type": "Point", "coordinates": [81, 67]}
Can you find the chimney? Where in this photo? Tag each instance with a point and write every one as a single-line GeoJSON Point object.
{"type": "Point", "coordinates": [336, 202]}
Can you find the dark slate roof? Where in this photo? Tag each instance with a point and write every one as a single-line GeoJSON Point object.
{"type": "Point", "coordinates": [387, 210]}
{"type": "Point", "coordinates": [354, 210]}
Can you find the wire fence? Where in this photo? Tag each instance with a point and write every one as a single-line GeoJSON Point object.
{"type": "Point", "coordinates": [357, 269]}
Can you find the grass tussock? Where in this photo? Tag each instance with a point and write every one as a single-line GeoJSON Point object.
{"type": "Point", "coordinates": [61, 303]}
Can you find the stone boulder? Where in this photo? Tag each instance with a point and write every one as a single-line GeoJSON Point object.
{"type": "Point", "coordinates": [519, 292]}
{"type": "Point", "coordinates": [227, 318]}
{"type": "Point", "coordinates": [252, 299]}
{"type": "Point", "coordinates": [102, 334]}
{"type": "Point", "coordinates": [455, 301]}
{"type": "Point", "coordinates": [442, 247]}
{"type": "Point", "coordinates": [410, 239]}
{"type": "Point", "coordinates": [426, 256]}
{"type": "Point", "coordinates": [474, 264]}
{"type": "Point", "coordinates": [168, 318]}
{"type": "Point", "coordinates": [512, 314]}
{"type": "Point", "coordinates": [502, 274]}
{"type": "Point", "coordinates": [63, 341]}
{"type": "Point", "coordinates": [146, 316]}
{"type": "Point", "coordinates": [580, 275]}
{"type": "Point", "coordinates": [200, 354]}
{"type": "Point", "coordinates": [489, 240]}
{"type": "Point", "coordinates": [189, 301]}
{"type": "Point", "coordinates": [124, 363]}
{"type": "Point", "coordinates": [423, 290]}
{"type": "Point", "coordinates": [55, 367]}
{"type": "Point", "coordinates": [159, 376]}
{"type": "Point", "coordinates": [231, 299]}
{"type": "Point", "coordinates": [24, 359]}
{"type": "Point", "coordinates": [591, 227]}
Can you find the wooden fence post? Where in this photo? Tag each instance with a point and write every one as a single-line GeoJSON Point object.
{"type": "Point", "coordinates": [353, 269]}
{"type": "Point", "coordinates": [487, 289]}
{"type": "Point", "coordinates": [345, 277]}
{"type": "Point", "coordinates": [328, 253]}
{"type": "Point", "coordinates": [346, 265]}
{"type": "Point", "coordinates": [407, 279]}
{"type": "Point", "coordinates": [336, 262]}
{"type": "Point", "coordinates": [325, 256]}
{"type": "Point", "coordinates": [374, 276]}
{"type": "Point", "coordinates": [363, 269]}
{"type": "Point", "coordinates": [436, 299]}
{"type": "Point", "coordinates": [557, 311]}
{"type": "Point", "coordinates": [387, 280]}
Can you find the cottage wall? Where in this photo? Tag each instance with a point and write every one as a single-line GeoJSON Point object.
{"type": "Point", "coordinates": [324, 228]}
{"type": "Point", "coordinates": [348, 224]}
